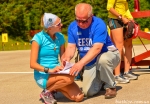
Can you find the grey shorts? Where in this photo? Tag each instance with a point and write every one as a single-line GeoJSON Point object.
{"type": "Point", "coordinates": [114, 23]}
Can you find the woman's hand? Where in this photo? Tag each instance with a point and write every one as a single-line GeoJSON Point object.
{"type": "Point", "coordinates": [125, 20]}
{"type": "Point", "coordinates": [56, 69]}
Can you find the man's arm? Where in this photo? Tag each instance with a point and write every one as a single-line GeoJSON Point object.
{"type": "Point", "coordinates": [69, 53]}
{"type": "Point", "coordinates": [91, 54]}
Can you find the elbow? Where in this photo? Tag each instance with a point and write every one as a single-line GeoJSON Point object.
{"type": "Point", "coordinates": [98, 50]}
{"type": "Point", "coordinates": [31, 65]}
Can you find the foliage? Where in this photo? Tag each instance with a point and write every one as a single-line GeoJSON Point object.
{"type": "Point", "coordinates": [18, 17]}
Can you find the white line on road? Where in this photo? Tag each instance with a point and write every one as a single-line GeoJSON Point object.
{"type": "Point", "coordinates": [16, 72]}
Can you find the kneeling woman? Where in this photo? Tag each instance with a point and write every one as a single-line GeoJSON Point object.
{"type": "Point", "coordinates": [46, 47]}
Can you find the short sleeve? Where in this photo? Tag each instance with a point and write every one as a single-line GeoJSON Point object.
{"type": "Point", "coordinates": [36, 38]}
{"type": "Point", "coordinates": [100, 32]}
{"type": "Point", "coordinates": [110, 4]}
{"type": "Point", "coordinates": [128, 14]}
{"type": "Point", "coordinates": [71, 38]}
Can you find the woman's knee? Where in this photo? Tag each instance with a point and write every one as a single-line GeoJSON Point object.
{"type": "Point", "coordinates": [69, 79]}
{"type": "Point", "coordinates": [78, 98]}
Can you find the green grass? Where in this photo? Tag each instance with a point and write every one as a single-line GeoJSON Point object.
{"type": "Point", "coordinates": [137, 41]}
{"type": "Point", "coordinates": [16, 45]}
{"type": "Point", "coordinates": [12, 44]}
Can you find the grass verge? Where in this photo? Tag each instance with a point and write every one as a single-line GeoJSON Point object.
{"type": "Point", "coordinates": [17, 45]}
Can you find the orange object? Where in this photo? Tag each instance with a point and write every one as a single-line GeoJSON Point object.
{"type": "Point", "coordinates": [139, 59]}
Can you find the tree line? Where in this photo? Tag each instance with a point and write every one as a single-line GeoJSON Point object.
{"type": "Point", "coordinates": [18, 17]}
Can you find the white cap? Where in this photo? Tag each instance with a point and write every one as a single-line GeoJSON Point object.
{"type": "Point", "coordinates": [49, 19]}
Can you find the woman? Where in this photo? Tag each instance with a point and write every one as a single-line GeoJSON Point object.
{"type": "Point", "coordinates": [45, 48]}
{"type": "Point", "coordinates": [118, 16]}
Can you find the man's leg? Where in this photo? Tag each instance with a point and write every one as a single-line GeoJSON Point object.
{"type": "Point", "coordinates": [91, 83]}
{"type": "Point", "coordinates": [106, 64]}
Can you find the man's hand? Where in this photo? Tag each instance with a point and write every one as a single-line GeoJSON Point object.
{"type": "Point", "coordinates": [69, 53]}
{"type": "Point", "coordinates": [76, 68]}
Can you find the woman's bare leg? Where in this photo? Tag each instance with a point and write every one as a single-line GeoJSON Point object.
{"type": "Point", "coordinates": [127, 54]}
{"type": "Point", "coordinates": [117, 38]}
{"type": "Point", "coordinates": [66, 85]}
{"type": "Point", "coordinates": [72, 92]}
{"type": "Point", "coordinates": [58, 81]}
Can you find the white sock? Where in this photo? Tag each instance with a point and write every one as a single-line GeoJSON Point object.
{"type": "Point", "coordinates": [45, 90]}
{"type": "Point", "coordinates": [126, 72]}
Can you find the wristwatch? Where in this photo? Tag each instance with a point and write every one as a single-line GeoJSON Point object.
{"type": "Point", "coordinates": [46, 70]}
{"type": "Point", "coordinates": [120, 17]}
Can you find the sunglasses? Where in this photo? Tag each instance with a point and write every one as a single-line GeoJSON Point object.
{"type": "Point", "coordinates": [58, 24]}
{"type": "Point", "coordinates": [82, 21]}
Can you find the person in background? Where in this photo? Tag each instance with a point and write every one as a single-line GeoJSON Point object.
{"type": "Point", "coordinates": [46, 46]}
{"type": "Point", "coordinates": [98, 55]}
{"type": "Point", "coordinates": [118, 16]}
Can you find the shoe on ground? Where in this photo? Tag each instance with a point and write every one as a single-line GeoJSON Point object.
{"type": "Point", "coordinates": [130, 71]}
{"type": "Point", "coordinates": [130, 76]}
{"type": "Point", "coordinates": [48, 97]}
{"type": "Point", "coordinates": [102, 88]}
{"type": "Point", "coordinates": [110, 93]}
{"type": "Point", "coordinates": [121, 80]}
{"type": "Point", "coordinates": [77, 78]}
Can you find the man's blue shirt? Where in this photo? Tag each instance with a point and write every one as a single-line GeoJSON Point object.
{"type": "Point", "coordinates": [85, 38]}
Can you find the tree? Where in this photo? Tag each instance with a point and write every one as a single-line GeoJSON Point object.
{"type": "Point", "coordinates": [18, 17]}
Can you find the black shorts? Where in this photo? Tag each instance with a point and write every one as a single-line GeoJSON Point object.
{"type": "Point", "coordinates": [114, 23]}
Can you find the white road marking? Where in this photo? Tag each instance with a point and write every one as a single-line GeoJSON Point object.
{"type": "Point", "coordinates": [16, 72]}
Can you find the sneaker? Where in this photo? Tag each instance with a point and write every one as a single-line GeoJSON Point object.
{"type": "Point", "coordinates": [77, 78]}
{"type": "Point", "coordinates": [133, 73]}
{"type": "Point", "coordinates": [121, 79]}
{"type": "Point", "coordinates": [48, 97]}
{"type": "Point", "coordinates": [130, 76]}
{"type": "Point", "coordinates": [54, 93]}
{"type": "Point", "coordinates": [110, 93]}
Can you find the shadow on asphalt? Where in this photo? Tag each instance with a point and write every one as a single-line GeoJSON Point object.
{"type": "Point", "coordinates": [61, 98]}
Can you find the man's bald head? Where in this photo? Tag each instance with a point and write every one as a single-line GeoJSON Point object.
{"type": "Point", "coordinates": [83, 9]}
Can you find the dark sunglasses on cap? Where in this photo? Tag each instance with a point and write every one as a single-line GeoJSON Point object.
{"type": "Point", "coordinates": [82, 21]}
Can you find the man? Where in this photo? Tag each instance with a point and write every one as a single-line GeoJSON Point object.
{"type": "Point", "coordinates": [98, 54]}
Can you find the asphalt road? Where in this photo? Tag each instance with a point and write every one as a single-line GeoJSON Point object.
{"type": "Point", "coordinates": [17, 85]}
